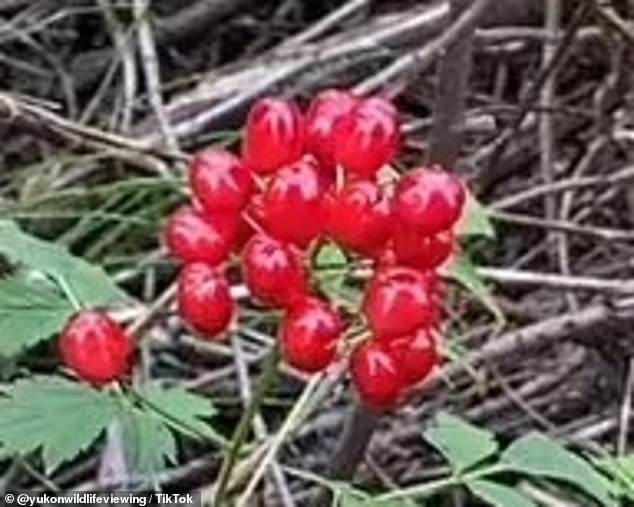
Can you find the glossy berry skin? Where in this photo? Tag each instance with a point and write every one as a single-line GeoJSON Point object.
{"type": "Point", "coordinates": [416, 355]}
{"type": "Point", "coordinates": [400, 300]}
{"type": "Point", "coordinates": [193, 236]}
{"type": "Point", "coordinates": [220, 181]}
{"type": "Point", "coordinates": [310, 334]}
{"type": "Point", "coordinates": [292, 204]}
{"type": "Point", "coordinates": [204, 299]}
{"type": "Point", "coordinates": [376, 376]}
{"type": "Point", "coordinates": [96, 348]}
{"type": "Point", "coordinates": [274, 135]}
{"type": "Point", "coordinates": [273, 271]}
{"type": "Point", "coordinates": [367, 138]}
{"type": "Point", "coordinates": [429, 200]}
{"type": "Point", "coordinates": [411, 248]}
{"type": "Point", "coordinates": [325, 110]}
{"type": "Point", "coordinates": [359, 218]}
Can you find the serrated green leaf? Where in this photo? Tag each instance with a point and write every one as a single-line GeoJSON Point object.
{"type": "Point", "coordinates": [149, 444]}
{"type": "Point", "coordinates": [183, 411]}
{"type": "Point", "coordinates": [89, 283]}
{"type": "Point", "coordinates": [31, 310]}
{"type": "Point", "coordinates": [330, 264]}
{"type": "Point", "coordinates": [475, 220]}
{"type": "Point", "coordinates": [498, 495]}
{"type": "Point", "coordinates": [463, 444]}
{"type": "Point", "coordinates": [462, 270]}
{"type": "Point", "coordinates": [538, 455]}
{"type": "Point", "coordinates": [60, 417]}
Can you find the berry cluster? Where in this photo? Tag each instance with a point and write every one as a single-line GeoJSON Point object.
{"type": "Point", "coordinates": [303, 178]}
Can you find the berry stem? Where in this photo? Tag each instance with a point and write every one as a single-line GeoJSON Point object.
{"type": "Point", "coordinates": [359, 428]}
{"type": "Point", "coordinates": [267, 377]}
{"type": "Point", "coordinates": [63, 284]}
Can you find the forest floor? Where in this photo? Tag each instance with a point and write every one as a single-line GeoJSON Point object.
{"type": "Point", "coordinates": [101, 100]}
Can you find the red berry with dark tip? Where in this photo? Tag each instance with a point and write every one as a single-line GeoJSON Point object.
{"type": "Point", "coordinates": [359, 218]}
{"type": "Point", "coordinates": [310, 334]}
{"type": "Point", "coordinates": [220, 181]}
{"type": "Point", "coordinates": [368, 137]}
{"type": "Point", "coordinates": [194, 236]}
{"type": "Point", "coordinates": [96, 348]}
{"type": "Point", "coordinates": [376, 376]}
{"type": "Point", "coordinates": [204, 299]}
{"type": "Point", "coordinates": [400, 300]}
{"type": "Point", "coordinates": [415, 355]}
{"type": "Point", "coordinates": [292, 203]}
{"type": "Point", "coordinates": [429, 200]}
{"type": "Point", "coordinates": [414, 249]}
{"type": "Point", "coordinates": [325, 110]}
{"type": "Point", "coordinates": [274, 271]}
{"type": "Point", "coordinates": [274, 135]}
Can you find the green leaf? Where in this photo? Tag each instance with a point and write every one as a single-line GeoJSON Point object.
{"type": "Point", "coordinates": [149, 444]}
{"type": "Point", "coordinates": [89, 283]}
{"type": "Point", "coordinates": [475, 220]}
{"type": "Point", "coordinates": [330, 268]}
{"type": "Point", "coordinates": [183, 411]}
{"type": "Point", "coordinates": [621, 472]}
{"type": "Point", "coordinates": [461, 443]}
{"type": "Point", "coordinates": [536, 454]}
{"type": "Point", "coordinates": [463, 271]}
{"type": "Point", "coordinates": [498, 495]}
{"type": "Point", "coordinates": [31, 310]}
{"type": "Point", "coordinates": [55, 415]}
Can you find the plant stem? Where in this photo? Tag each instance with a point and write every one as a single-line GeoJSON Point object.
{"type": "Point", "coordinates": [267, 377]}
{"type": "Point", "coordinates": [424, 490]}
{"type": "Point", "coordinates": [63, 284]}
{"type": "Point", "coordinates": [357, 434]}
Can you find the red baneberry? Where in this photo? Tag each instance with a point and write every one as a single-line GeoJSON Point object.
{"type": "Point", "coordinates": [96, 348]}
{"type": "Point", "coordinates": [194, 236]}
{"type": "Point", "coordinates": [204, 300]}
{"type": "Point", "coordinates": [274, 271]}
{"type": "Point", "coordinates": [310, 334]}
{"type": "Point", "coordinates": [367, 138]}
{"type": "Point", "coordinates": [220, 181]}
{"type": "Point", "coordinates": [359, 218]}
{"type": "Point", "coordinates": [400, 300]}
{"type": "Point", "coordinates": [274, 135]}
{"type": "Point", "coordinates": [325, 110]}
{"type": "Point", "coordinates": [376, 376]}
{"type": "Point", "coordinates": [429, 200]}
{"type": "Point", "coordinates": [292, 204]}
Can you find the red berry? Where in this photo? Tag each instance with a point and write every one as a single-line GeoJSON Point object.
{"type": "Point", "coordinates": [429, 200]}
{"type": "Point", "coordinates": [193, 236]}
{"type": "Point", "coordinates": [220, 181]}
{"type": "Point", "coordinates": [275, 135]}
{"type": "Point", "coordinates": [415, 355]}
{"type": "Point", "coordinates": [376, 376]}
{"type": "Point", "coordinates": [368, 137]}
{"type": "Point", "coordinates": [325, 110]}
{"type": "Point", "coordinates": [292, 204]}
{"type": "Point", "coordinates": [310, 334]}
{"type": "Point", "coordinates": [273, 271]}
{"type": "Point", "coordinates": [400, 300]}
{"type": "Point", "coordinates": [359, 218]}
{"type": "Point", "coordinates": [96, 348]}
{"type": "Point", "coordinates": [204, 300]}
{"type": "Point", "coordinates": [422, 252]}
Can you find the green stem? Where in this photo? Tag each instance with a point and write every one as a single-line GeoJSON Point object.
{"type": "Point", "coordinates": [69, 292]}
{"type": "Point", "coordinates": [265, 381]}
{"type": "Point", "coordinates": [429, 488]}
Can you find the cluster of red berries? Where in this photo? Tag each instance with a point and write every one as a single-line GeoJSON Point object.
{"type": "Point", "coordinates": [301, 179]}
